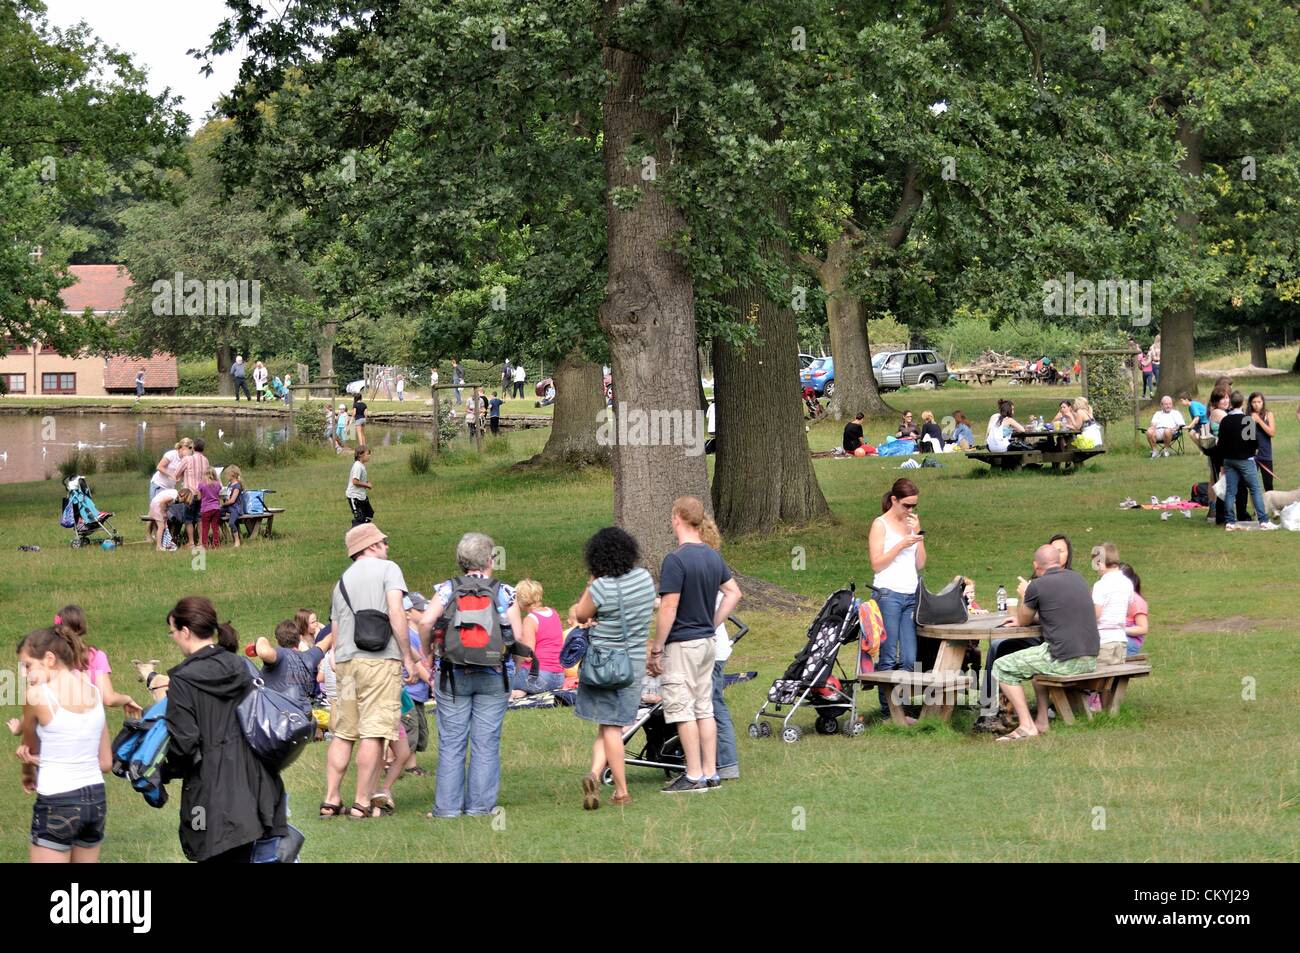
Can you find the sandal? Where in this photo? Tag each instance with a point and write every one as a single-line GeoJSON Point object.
{"type": "Point", "coordinates": [383, 802]}
{"type": "Point", "coordinates": [328, 810]}
{"type": "Point", "coordinates": [418, 772]}
{"type": "Point", "coordinates": [1018, 735]}
{"type": "Point", "coordinates": [366, 812]}
{"type": "Point", "coordinates": [621, 800]}
{"type": "Point", "coordinates": [590, 799]}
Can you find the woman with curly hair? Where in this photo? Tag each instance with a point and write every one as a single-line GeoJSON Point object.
{"type": "Point", "coordinates": [616, 606]}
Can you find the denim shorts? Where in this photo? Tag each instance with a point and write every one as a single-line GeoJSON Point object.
{"type": "Point", "coordinates": [71, 819]}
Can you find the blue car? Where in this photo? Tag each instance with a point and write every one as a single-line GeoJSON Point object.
{"type": "Point", "coordinates": [820, 375]}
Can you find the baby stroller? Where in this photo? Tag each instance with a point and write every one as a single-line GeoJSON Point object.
{"type": "Point", "coordinates": [81, 515]}
{"type": "Point", "coordinates": [660, 747]}
{"type": "Point", "coordinates": [809, 680]}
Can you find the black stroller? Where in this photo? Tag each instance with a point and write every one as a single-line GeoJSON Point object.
{"type": "Point", "coordinates": [660, 747]}
{"type": "Point", "coordinates": [809, 681]}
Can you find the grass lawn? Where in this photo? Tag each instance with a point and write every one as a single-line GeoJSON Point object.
{"type": "Point", "coordinates": [1202, 764]}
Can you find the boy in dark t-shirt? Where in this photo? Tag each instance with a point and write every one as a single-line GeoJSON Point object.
{"type": "Point", "coordinates": [494, 412]}
{"type": "Point", "coordinates": [286, 669]}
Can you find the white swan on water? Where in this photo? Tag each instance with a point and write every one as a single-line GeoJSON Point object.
{"type": "Point", "coordinates": [202, 424]}
{"type": "Point", "coordinates": [102, 426]}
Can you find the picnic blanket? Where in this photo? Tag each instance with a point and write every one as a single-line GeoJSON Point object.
{"type": "Point", "coordinates": [896, 448]}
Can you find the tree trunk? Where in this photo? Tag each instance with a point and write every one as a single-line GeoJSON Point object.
{"type": "Point", "coordinates": [763, 475]}
{"type": "Point", "coordinates": [1258, 347]}
{"type": "Point", "coordinates": [325, 350]}
{"type": "Point", "coordinates": [1177, 325]}
{"type": "Point", "coordinates": [648, 315]}
{"type": "Point", "coordinates": [855, 384]}
{"type": "Point", "coordinates": [225, 358]}
{"type": "Point", "coordinates": [579, 403]}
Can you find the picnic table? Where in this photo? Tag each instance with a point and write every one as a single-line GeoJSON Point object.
{"type": "Point", "coordinates": [1043, 449]}
{"type": "Point", "coordinates": [952, 650]}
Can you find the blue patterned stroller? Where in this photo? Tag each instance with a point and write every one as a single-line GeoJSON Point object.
{"type": "Point", "coordinates": [81, 515]}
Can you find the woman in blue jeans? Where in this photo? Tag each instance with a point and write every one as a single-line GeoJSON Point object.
{"type": "Point", "coordinates": [897, 549]}
{"type": "Point", "coordinates": [471, 701]}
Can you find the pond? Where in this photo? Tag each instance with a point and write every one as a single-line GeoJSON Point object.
{"type": "Point", "coordinates": [33, 445]}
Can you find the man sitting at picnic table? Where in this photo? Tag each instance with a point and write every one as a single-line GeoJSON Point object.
{"type": "Point", "coordinates": [1062, 601]}
{"type": "Point", "coordinates": [1165, 424]}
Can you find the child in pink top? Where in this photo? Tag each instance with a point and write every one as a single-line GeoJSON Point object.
{"type": "Point", "coordinates": [1138, 619]}
{"type": "Point", "coordinates": [210, 509]}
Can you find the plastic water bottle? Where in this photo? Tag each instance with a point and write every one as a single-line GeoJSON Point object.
{"type": "Point", "coordinates": [1002, 598]}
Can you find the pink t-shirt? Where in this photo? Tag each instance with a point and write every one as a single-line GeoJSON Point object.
{"type": "Point", "coordinates": [97, 665]}
{"type": "Point", "coordinates": [210, 496]}
{"type": "Point", "coordinates": [1136, 606]}
{"type": "Point", "coordinates": [550, 639]}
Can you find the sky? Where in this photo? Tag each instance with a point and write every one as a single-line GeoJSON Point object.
{"type": "Point", "coordinates": [156, 34]}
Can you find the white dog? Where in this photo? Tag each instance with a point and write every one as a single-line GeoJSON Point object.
{"type": "Point", "coordinates": [1277, 500]}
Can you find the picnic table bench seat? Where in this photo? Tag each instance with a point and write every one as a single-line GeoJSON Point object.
{"type": "Point", "coordinates": [1069, 692]}
{"type": "Point", "coordinates": [949, 683]}
{"type": "Point", "coordinates": [250, 521]}
{"type": "Point", "coordinates": [1015, 459]}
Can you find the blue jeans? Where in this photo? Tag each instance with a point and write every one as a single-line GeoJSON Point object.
{"type": "Point", "coordinates": [523, 680]}
{"type": "Point", "coordinates": [727, 757]}
{"type": "Point", "coordinates": [472, 718]}
{"type": "Point", "coordinates": [899, 649]}
{"type": "Point", "coordinates": [241, 384]}
{"type": "Point", "coordinates": [1134, 646]}
{"type": "Point", "coordinates": [1238, 471]}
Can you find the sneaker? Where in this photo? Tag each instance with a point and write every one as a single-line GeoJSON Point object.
{"type": "Point", "coordinates": [714, 782]}
{"type": "Point", "coordinates": [1268, 526]}
{"type": "Point", "coordinates": [730, 773]}
{"type": "Point", "coordinates": [1154, 454]}
{"type": "Point", "coordinates": [1230, 527]}
{"type": "Point", "coordinates": [1166, 452]}
{"type": "Point", "coordinates": [684, 785]}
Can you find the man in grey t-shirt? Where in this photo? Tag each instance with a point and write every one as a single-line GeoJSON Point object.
{"type": "Point", "coordinates": [1062, 602]}
{"type": "Point", "coordinates": [369, 706]}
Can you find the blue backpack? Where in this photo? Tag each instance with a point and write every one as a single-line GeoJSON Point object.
{"type": "Point", "coordinates": [138, 751]}
{"type": "Point", "coordinates": [253, 502]}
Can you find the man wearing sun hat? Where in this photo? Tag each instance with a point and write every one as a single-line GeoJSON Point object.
{"type": "Point", "coordinates": [369, 706]}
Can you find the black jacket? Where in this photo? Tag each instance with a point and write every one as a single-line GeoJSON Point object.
{"type": "Point", "coordinates": [229, 798]}
{"type": "Point", "coordinates": [1233, 442]}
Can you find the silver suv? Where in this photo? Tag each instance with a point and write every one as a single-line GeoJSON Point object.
{"type": "Point", "coordinates": [894, 369]}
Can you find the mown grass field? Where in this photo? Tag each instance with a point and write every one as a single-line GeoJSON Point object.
{"type": "Point", "coordinates": [1202, 765]}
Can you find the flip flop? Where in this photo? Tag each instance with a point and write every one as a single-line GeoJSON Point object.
{"type": "Point", "coordinates": [1018, 735]}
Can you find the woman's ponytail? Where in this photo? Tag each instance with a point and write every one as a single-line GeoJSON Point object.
{"type": "Point", "coordinates": [228, 638]}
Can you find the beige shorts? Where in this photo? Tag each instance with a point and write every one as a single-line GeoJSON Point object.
{"type": "Point", "coordinates": [687, 681]}
{"type": "Point", "coordinates": [369, 702]}
{"type": "Point", "coordinates": [1112, 653]}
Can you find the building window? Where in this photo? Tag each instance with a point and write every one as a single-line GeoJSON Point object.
{"type": "Point", "coordinates": [58, 383]}
{"type": "Point", "coordinates": [16, 383]}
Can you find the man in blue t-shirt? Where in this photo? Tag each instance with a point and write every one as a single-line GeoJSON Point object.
{"type": "Point", "coordinates": [690, 611]}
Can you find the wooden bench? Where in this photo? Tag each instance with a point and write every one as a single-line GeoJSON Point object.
{"type": "Point", "coordinates": [944, 685]}
{"type": "Point", "coordinates": [1015, 459]}
{"type": "Point", "coordinates": [1070, 691]}
{"type": "Point", "coordinates": [251, 521]}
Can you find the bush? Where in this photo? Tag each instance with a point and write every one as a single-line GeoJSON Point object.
{"type": "Point", "coordinates": [1110, 387]}
{"type": "Point", "coordinates": [78, 463]}
{"type": "Point", "coordinates": [448, 427]}
{"type": "Point", "coordinates": [131, 460]}
{"type": "Point", "coordinates": [419, 461]}
{"type": "Point", "coordinates": [968, 336]}
{"type": "Point", "coordinates": [309, 419]}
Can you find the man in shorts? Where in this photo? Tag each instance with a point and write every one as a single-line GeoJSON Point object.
{"type": "Point", "coordinates": [368, 709]}
{"type": "Point", "coordinates": [1062, 602]}
{"type": "Point", "coordinates": [682, 652]}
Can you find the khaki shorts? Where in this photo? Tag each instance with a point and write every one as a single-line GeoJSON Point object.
{"type": "Point", "coordinates": [687, 681]}
{"type": "Point", "coordinates": [1112, 653]}
{"type": "Point", "coordinates": [1020, 667]}
{"type": "Point", "coordinates": [369, 702]}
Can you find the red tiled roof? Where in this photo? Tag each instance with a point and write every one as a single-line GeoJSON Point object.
{"type": "Point", "coordinates": [159, 372]}
{"type": "Point", "coordinates": [98, 287]}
